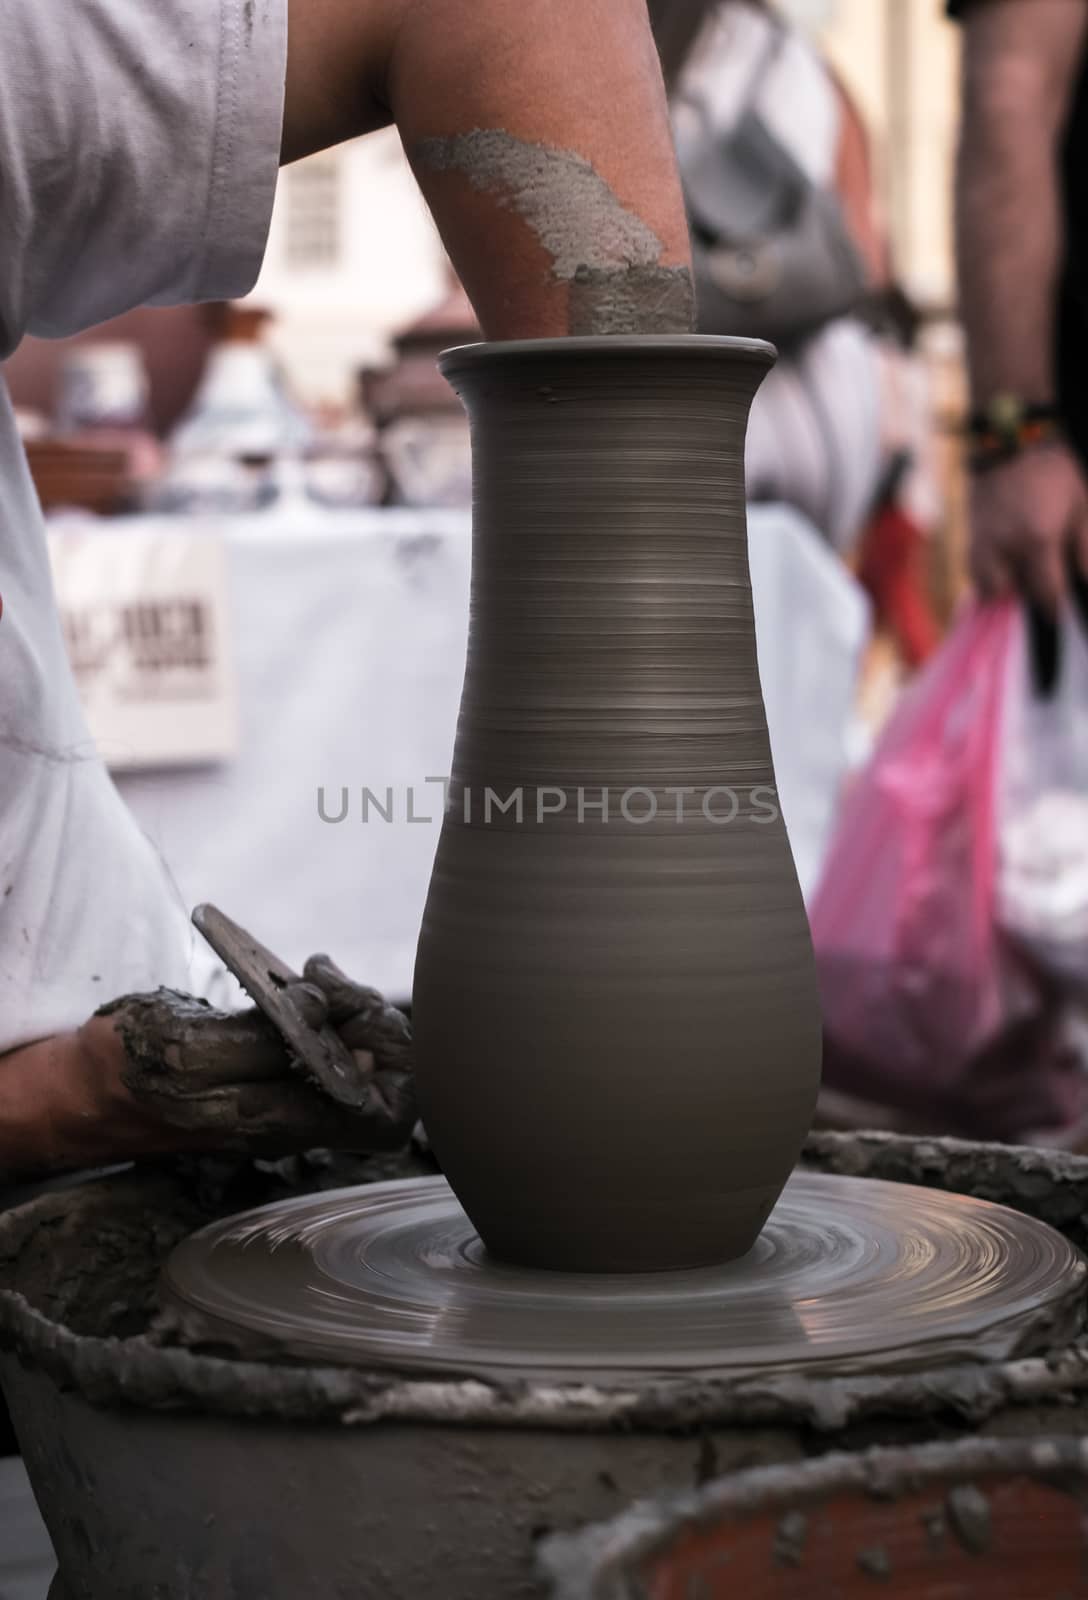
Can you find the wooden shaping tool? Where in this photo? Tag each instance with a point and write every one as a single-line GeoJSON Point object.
{"type": "Point", "coordinates": [318, 1053]}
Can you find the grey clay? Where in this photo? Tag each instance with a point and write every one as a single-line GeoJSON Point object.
{"type": "Point", "coordinates": [617, 1032]}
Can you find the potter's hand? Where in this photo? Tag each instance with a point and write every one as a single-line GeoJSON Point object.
{"type": "Point", "coordinates": [187, 1076]}
{"type": "Point", "coordinates": [376, 1033]}
{"type": "Point", "coordinates": [373, 1030]}
{"type": "Point", "coordinates": [1029, 526]}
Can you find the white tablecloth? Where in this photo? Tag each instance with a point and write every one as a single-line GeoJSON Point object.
{"type": "Point", "coordinates": [349, 637]}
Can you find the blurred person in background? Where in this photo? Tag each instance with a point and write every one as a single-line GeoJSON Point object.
{"type": "Point", "coordinates": [1022, 240]}
{"type": "Point", "coordinates": [1022, 258]}
{"type": "Point", "coordinates": [788, 246]}
{"type": "Point", "coordinates": [975, 1026]}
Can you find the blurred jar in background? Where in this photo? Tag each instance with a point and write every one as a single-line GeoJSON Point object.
{"type": "Point", "coordinates": [98, 452]}
{"type": "Point", "coordinates": [423, 430]}
{"type": "Point", "coordinates": [102, 386]}
{"type": "Point", "coordinates": [223, 450]}
{"type": "Point", "coordinates": [244, 444]}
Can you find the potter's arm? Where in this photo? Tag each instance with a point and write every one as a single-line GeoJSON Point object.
{"type": "Point", "coordinates": [539, 133]}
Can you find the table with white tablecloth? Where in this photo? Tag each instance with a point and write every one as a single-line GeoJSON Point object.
{"type": "Point", "coordinates": [347, 636]}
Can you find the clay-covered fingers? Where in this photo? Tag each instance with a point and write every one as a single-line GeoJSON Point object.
{"type": "Point", "coordinates": [365, 1020]}
{"type": "Point", "coordinates": [232, 1049]}
{"type": "Point", "coordinates": [181, 1045]}
{"type": "Point", "coordinates": [379, 1038]}
{"type": "Point", "coordinates": [343, 997]}
{"type": "Point", "coordinates": [223, 1081]}
{"type": "Point", "coordinates": [310, 1003]}
{"type": "Point", "coordinates": [290, 1115]}
{"type": "Point", "coordinates": [387, 1120]}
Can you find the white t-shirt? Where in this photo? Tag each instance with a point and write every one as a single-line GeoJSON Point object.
{"type": "Point", "coordinates": [139, 145]}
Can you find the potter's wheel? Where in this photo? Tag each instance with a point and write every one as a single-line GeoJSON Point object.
{"type": "Point", "coordinates": [849, 1275]}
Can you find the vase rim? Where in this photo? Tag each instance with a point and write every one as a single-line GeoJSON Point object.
{"type": "Point", "coordinates": [757, 351]}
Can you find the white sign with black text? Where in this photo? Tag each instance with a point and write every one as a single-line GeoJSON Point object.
{"type": "Point", "coordinates": [146, 622]}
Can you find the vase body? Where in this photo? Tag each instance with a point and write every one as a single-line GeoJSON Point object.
{"type": "Point", "coordinates": [615, 1013]}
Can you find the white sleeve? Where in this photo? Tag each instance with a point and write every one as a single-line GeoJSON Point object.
{"type": "Point", "coordinates": [139, 146]}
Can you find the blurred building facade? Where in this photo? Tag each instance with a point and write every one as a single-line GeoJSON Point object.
{"type": "Point", "coordinates": [900, 60]}
{"type": "Point", "coordinates": [352, 257]}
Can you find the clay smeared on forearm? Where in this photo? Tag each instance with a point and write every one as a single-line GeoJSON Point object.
{"type": "Point", "coordinates": [607, 254]}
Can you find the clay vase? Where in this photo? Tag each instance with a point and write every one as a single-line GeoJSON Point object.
{"type": "Point", "coordinates": [615, 1011]}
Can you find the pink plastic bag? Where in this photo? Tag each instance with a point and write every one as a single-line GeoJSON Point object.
{"type": "Point", "coordinates": [926, 1007]}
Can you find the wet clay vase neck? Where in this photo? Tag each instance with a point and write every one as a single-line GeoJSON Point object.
{"type": "Point", "coordinates": [615, 1008]}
